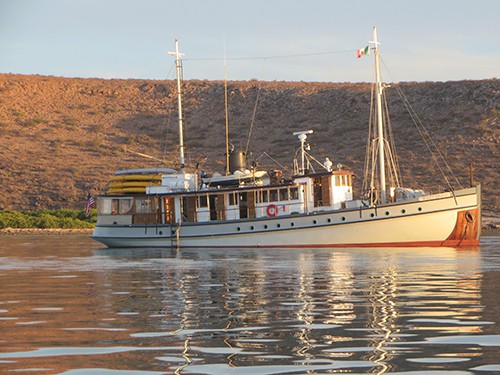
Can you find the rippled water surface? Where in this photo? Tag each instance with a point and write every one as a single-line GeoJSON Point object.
{"type": "Point", "coordinates": [70, 307]}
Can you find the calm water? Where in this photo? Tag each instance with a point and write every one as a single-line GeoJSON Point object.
{"type": "Point", "coordinates": [69, 307]}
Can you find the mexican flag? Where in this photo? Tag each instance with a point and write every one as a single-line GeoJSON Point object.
{"type": "Point", "coordinates": [363, 52]}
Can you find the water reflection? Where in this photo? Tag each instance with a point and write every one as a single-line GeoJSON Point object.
{"type": "Point", "coordinates": [247, 311]}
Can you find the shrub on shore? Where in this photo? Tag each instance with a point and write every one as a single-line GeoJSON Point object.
{"type": "Point", "coordinates": [62, 218]}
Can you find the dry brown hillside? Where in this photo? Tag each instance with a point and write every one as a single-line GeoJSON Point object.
{"type": "Point", "coordinates": [61, 138]}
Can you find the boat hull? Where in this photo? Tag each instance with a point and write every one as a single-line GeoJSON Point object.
{"type": "Point", "coordinates": [447, 219]}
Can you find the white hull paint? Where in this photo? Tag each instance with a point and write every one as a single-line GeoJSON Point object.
{"type": "Point", "coordinates": [429, 221]}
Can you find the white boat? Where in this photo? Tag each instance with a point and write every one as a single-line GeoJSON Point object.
{"type": "Point", "coordinates": [248, 208]}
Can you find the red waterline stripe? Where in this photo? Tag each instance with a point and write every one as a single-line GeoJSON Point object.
{"type": "Point", "coordinates": [447, 243]}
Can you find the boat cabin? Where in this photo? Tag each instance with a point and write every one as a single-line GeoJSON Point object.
{"type": "Point", "coordinates": [178, 200]}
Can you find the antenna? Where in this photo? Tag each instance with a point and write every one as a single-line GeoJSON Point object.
{"type": "Point", "coordinates": [302, 135]}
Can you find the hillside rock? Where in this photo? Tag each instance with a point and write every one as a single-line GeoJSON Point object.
{"type": "Point", "coordinates": [61, 138]}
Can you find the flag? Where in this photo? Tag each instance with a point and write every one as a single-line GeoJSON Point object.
{"type": "Point", "coordinates": [90, 203]}
{"type": "Point", "coordinates": [363, 52]}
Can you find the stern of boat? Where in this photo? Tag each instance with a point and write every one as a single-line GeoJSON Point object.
{"type": "Point", "coordinates": [467, 230]}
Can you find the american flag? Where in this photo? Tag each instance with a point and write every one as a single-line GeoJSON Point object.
{"type": "Point", "coordinates": [90, 203]}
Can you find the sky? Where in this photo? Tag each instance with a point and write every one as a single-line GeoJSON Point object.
{"type": "Point", "coordinates": [270, 40]}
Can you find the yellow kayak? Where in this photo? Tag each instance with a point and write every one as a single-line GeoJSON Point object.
{"type": "Point", "coordinates": [127, 190]}
{"type": "Point", "coordinates": [136, 177]}
{"type": "Point", "coordinates": [127, 184]}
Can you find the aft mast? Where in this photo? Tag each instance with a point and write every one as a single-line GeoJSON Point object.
{"type": "Point", "coordinates": [178, 66]}
{"type": "Point", "coordinates": [380, 124]}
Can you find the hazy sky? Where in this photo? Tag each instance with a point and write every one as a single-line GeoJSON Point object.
{"type": "Point", "coordinates": [421, 40]}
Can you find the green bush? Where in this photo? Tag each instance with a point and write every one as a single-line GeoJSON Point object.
{"type": "Point", "coordinates": [12, 219]}
{"type": "Point", "coordinates": [62, 218]}
{"type": "Point", "coordinates": [47, 221]}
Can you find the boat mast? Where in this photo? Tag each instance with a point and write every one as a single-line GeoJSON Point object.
{"type": "Point", "coordinates": [228, 171]}
{"type": "Point", "coordinates": [380, 124]}
{"type": "Point", "coordinates": [178, 66]}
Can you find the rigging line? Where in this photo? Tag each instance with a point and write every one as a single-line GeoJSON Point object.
{"type": "Point", "coordinates": [307, 157]}
{"type": "Point", "coordinates": [314, 159]}
{"type": "Point", "coordinates": [368, 149]}
{"type": "Point", "coordinates": [252, 123]}
{"type": "Point", "coordinates": [391, 157]}
{"type": "Point", "coordinates": [165, 126]}
{"type": "Point", "coordinates": [423, 133]}
{"type": "Point", "coordinates": [392, 145]}
{"type": "Point", "coordinates": [270, 57]}
{"type": "Point", "coordinates": [273, 159]}
{"type": "Point", "coordinates": [418, 122]}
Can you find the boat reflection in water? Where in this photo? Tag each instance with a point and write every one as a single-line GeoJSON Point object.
{"type": "Point", "coordinates": [315, 310]}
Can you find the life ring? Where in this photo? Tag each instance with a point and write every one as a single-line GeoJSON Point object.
{"type": "Point", "coordinates": [272, 210]}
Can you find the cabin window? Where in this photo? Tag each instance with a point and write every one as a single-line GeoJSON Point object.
{"type": "Point", "coordinates": [273, 195]}
{"type": "Point", "coordinates": [122, 206]}
{"type": "Point", "coordinates": [114, 206]}
{"type": "Point", "coordinates": [284, 194]}
{"type": "Point", "coordinates": [258, 196]}
{"type": "Point", "coordinates": [189, 208]}
{"type": "Point", "coordinates": [217, 205]}
{"type": "Point", "coordinates": [243, 205]}
{"type": "Point", "coordinates": [169, 213]}
{"type": "Point", "coordinates": [317, 192]}
{"type": "Point", "coordinates": [294, 193]}
{"type": "Point", "coordinates": [125, 205]}
{"type": "Point", "coordinates": [343, 180]}
{"type": "Point", "coordinates": [104, 206]}
{"type": "Point", "coordinates": [265, 197]}
{"type": "Point", "coordinates": [144, 206]}
{"type": "Point", "coordinates": [233, 200]}
{"type": "Point", "coordinates": [202, 201]}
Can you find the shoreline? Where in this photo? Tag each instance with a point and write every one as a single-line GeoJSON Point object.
{"type": "Point", "coordinates": [44, 231]}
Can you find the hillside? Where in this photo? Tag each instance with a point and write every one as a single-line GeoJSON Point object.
{"type": "Point", "coordinates": [63, 137]}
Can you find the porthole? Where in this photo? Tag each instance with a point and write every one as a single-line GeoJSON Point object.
{"type": "Point", "coordinates": [315, 222]}
{"type": "Point", "coordinates": [420, 208]}
{"type": "Point", "coordinates": [403, 211]}
{"type": "Point", "coordinates": [265, 226]}
{"type": "Point", "coordinates": [387, 213]}
{"type": "Point", "coordinates": [160, 233]}
{"type": "Point", "coordinates": [343, 218]}
{"type": "Point", "coordinates": [238, 229]}
{"type": "Point", "coordinates": [278, 225]}
{"type": "Point", "coordinates": [329, 220]}
{"type": "Point", "coordinates": [372, 214]}
{"type": "Point", "coordinates": [292, 224]}
{"type": "Point", "coordinates": [252, 227]}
